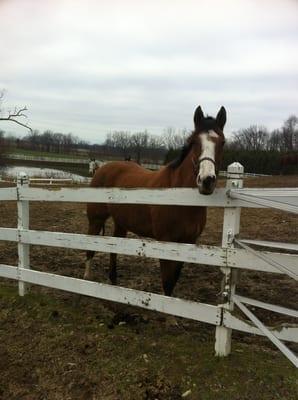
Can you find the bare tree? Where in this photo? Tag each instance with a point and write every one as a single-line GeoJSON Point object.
{"type": "Point", "coordinates": [252, 138]}
{"type": "Point", "coordinates": [120, 140]}
{"type": "Point", "coordinates": [2, 146]}
{"type": "Point", "coordinates": [33, 138]}
{"type": "Point", "coordinates": [290, 133]}
{"type": "Point", "coordinates": [174, 139]}
{"type": "Point", "coordinates": [13, 116]}
{"type": "Point", "coordinates": [139, 143]}
{"type": "Point", "coordinates": [275, 141]}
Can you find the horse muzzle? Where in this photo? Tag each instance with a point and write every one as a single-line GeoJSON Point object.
{"type": "Point", "coordinates": [207, 185]}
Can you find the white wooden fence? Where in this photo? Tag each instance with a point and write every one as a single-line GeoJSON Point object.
{"type": "Point", "coordinates": [232, 256]}
{"type": "Point", "coordinates": [50, 181]}
{"type": "Point", "coordinates": [68, 160]}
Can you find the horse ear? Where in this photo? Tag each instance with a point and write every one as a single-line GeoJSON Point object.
{"type": "Point", "coordinates": [221, 117]}
{"type": "Point", "coordinates": [198, 116]}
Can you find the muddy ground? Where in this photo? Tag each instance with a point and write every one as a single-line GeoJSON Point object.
{"type": "Point", "coordinates": [52, 349]}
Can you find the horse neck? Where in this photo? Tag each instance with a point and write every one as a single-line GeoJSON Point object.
{"type": "Point", "coordinates": [184, 175]}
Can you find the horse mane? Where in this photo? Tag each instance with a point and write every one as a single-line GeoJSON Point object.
{"type": "Point", "coordinates": [182, 155]}
{"type": "Point", "coordinates": [207, 124]}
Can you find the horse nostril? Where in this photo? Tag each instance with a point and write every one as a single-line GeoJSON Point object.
{"type": "Point", "coordinates": [209, 181]}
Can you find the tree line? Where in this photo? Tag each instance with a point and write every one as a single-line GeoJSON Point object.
{"type": "Point", "coordinates": [258, 149]}
{"type": "Point", "coordinates": [138, 146]}
{"type": "Point", "coordinates": [261, 151]}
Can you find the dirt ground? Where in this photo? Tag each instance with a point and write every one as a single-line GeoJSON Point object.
{"type": "Point", "coordinates": [52, 349]}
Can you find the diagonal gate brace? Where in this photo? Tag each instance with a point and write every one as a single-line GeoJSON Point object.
{"type": "Point", "coordinates": [265, 258]}
{"type": "Point", "coordinates": [281, 346]}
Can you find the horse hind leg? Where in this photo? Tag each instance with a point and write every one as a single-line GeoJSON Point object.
{"type": "Point", "coordinates": [118, 232]}
{"type": "Point", "coordinates": [95, 226]}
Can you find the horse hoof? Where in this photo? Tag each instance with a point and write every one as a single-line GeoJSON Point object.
{"type": "Point", "coordinates": [171, 322]}
{"type": "Point", "coordinates": [76, 300]}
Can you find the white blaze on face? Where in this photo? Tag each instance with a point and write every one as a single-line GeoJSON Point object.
{"type": "Point", "coordinates": [207, 168]}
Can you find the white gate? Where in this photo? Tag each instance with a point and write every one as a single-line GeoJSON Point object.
{"type": "Point", "coordinates": [228, 257]}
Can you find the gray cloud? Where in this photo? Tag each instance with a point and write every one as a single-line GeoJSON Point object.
{"type": "Point", "coordinates": [89, 67]}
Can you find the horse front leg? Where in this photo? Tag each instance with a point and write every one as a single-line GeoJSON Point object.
{"type": "Point", "coordinates": [170, 272]}
{"type": "Point", "coordinates": [119, 231]}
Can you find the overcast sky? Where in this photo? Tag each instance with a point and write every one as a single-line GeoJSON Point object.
{"type": "Point", "coordinates": [88, 67]}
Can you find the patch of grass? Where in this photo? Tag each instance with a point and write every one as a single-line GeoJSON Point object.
{"type": "Point", "coordinates": [53, 349]}
{"type": "Point", "coordinates": [38, 153]}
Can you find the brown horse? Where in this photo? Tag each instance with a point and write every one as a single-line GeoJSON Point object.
{"type": "Point", "coordinates": [196, 166]}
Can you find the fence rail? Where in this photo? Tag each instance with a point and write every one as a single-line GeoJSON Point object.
{"type": "Point", "coordinates": [227, 257]}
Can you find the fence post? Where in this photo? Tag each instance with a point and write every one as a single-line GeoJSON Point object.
{"type": "Point", "coordinates": [231, 227]}
{"type": "Point", "coordinates": [23, 223]}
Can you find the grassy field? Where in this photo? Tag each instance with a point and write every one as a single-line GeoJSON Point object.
{"type": "Point", "coordinates": [52, 349]}
{"type": "Point", "coordinates": [57, 351]}
{"type": "Point", "coordinates": [36, 153]}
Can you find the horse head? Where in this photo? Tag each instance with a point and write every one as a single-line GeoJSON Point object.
{"type": "Point", "coordinates": [207, 148]}
{"type": "Point", "coordinates": [93, 165]}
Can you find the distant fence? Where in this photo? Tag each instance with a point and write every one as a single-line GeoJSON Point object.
{"type": "Point", "coordinates": [234, 254]}
{"type": "Point", "coordinates": [153, 166]}
{"type": "Point", "coordinates": [50, 181]}
{"type": "Point", "coordinates": [48, 159]}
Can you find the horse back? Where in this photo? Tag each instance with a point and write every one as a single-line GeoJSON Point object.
{"type": "Point", "coordinates": [124, 174]}
{"type": "Point", "coordinates": [170, 223]}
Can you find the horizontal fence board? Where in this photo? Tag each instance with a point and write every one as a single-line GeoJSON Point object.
{"type": "Point", "coordinates": [150, 301]}
{"type": "Point", "coordinates": [8, 271]}
{"type": "Point", "coordinates": [9, 193]}
{"type": "Point", "coordinates": [48, 159]}
{"type": "Point", "coordinates": [209, 255]}
{"type": "Point", "coordinates": [267, 306]}
{"type": "Point", "coordinates": [273, 245]}
{"type": "Point", "coordinates": [173, 196]}
{"type": "Point", "coordinates": [272, 193]}
{"type": "Point", "coordinates": [50, 180]}
{"type": "Point", "coordinates": [203, 312]}
{"type": "Point", "coordinates": [206, 255]}
{"type": "Point", "coordinates": [285, 199]}
{"type": "Point", "coordinates": [285, 332]}
{"type": "Point", "coordinates": [240, 258]}
{"type": "Point", "coordinates": [9, 234]}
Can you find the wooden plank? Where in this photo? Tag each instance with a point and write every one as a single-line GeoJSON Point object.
{"type": "Point", "coordinates": [267, 258]}
{"type": "Point", "coordinates": [150, 301]}
{"type": "Point", "coordinates": [284, 332]}
{"type": "Point", "coordinates": [284, 199]}
{"type": "Point", "coordinates": [9, 234]}
{"type": "Point", "coordinates": [8, 271]}
{"type": "Point", "coordinates": [281, 346]}
{"type": "Point", "coordinates": [48, 159]}
{"type": "Point", "coordinates": [23, 223]}
{"type": "Point", "coordinates": [209, 255]}
{"type": "Point", "coordinates": [243, 259]}
{"type": "Point", "coordinates": [287, 332]}
{"type": "Point", "coordinates": [173, 196]}
{"type": "Point", "coordinates": [273, 193]}
{"type": "Point", "coordinates": [267, 306]}
{"type": "Point", "coordinates": [9, 193]}
{"type": "Point", "coordinates": [273, 245]}
{"type": "Point", "coordinates": [231, 226]}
